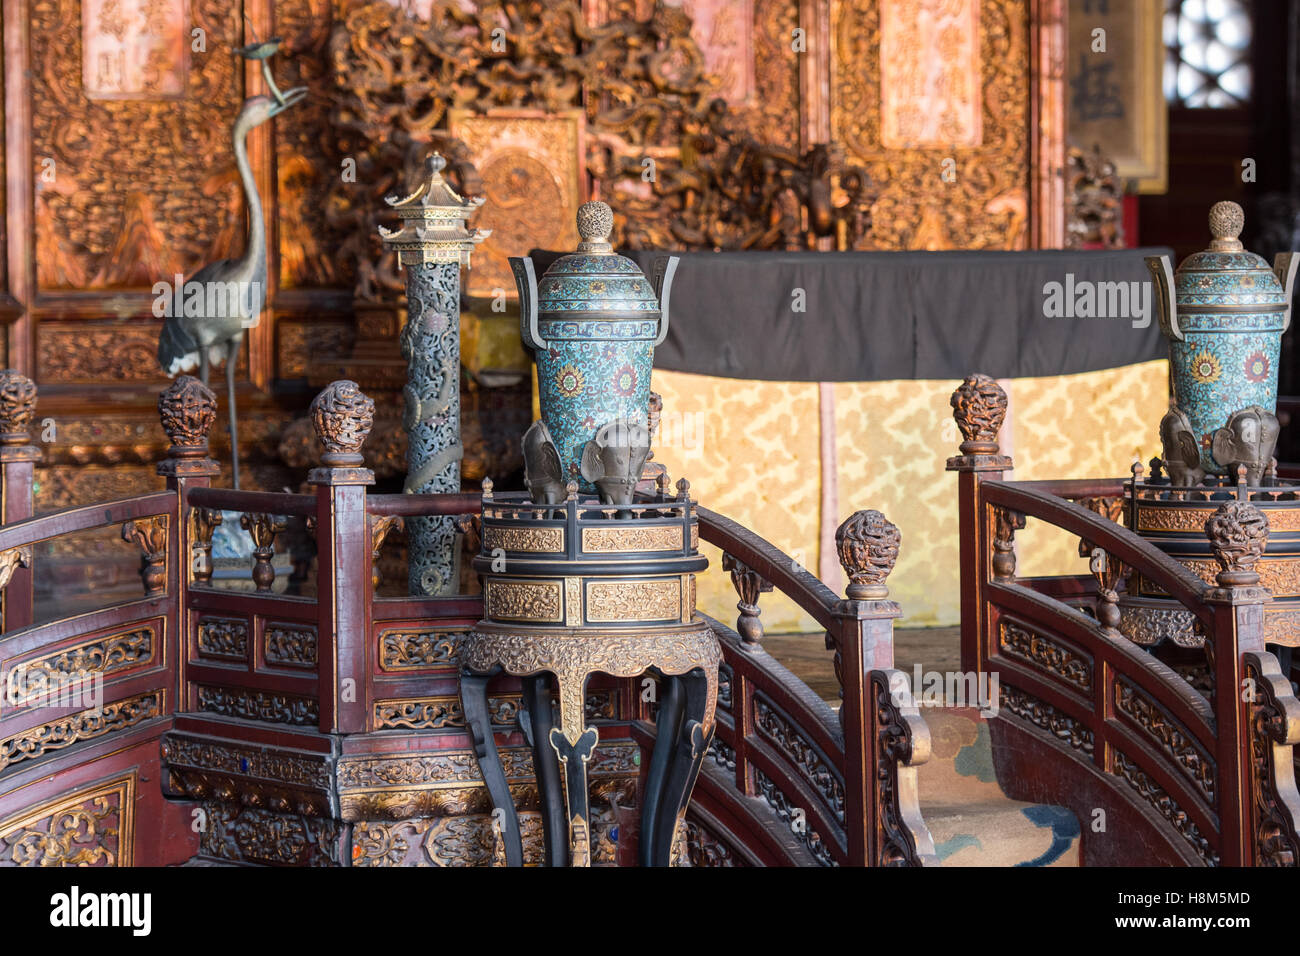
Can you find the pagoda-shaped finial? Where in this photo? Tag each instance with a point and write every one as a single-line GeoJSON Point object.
{"type": "Point", "coordinates": [1226, 222]}
{"type": "Point", "coordinates": [434, 221]}
{"type": "Point", "coordinates": [595, 223]}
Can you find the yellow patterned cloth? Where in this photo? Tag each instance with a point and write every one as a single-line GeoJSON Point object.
{"type": "Point", "coordinates": [751, 451]}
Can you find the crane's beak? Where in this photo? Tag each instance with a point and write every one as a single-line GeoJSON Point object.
{"type": "Point", "coordinates": [288, 99]}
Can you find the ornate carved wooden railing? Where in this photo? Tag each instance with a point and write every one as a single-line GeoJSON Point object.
{"type": "Point", "coordinates": [326, 727]}
{"type": "Point", "coordinates": [1086, 719]}
{"type": "Point", "coordinates": [839, 789]}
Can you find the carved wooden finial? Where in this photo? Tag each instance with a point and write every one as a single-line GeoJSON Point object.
{"type": "Point", "coordinates": [683, 489]}
{"type": "Point", "coordinates": [487, 489]}
{"type": "Point", "coordinates": [1238, 532]}
{"type": "Point", "coordinates": [17, 407]}
{"type": "Point", "coordinates": [187, 409]}
{"type": "Point", "coordinates": [867, 543]}
{"type": "Point", "coordinates": [571, 491]}
{"type": "Point", "coordinates": [343, 416]}
{"type": "Point", "coordinates": [978, 406]}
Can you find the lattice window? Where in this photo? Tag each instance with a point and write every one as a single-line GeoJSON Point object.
{"type": "Point", "coordinates": [1207, 49]}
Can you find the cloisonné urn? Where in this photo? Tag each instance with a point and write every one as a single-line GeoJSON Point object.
{"type": "Point", "coordinates": [1224, 313]}
{"type": "Point", "coordinates": [592, 321]}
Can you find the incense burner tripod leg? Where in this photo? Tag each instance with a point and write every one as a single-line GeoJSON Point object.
{"type": "Point", "coordinates": [689, 742]}
{"type": "Point", "coordinates": [546, 765]}
{"type": "Point", "coordinates": [668, 723]}
{"type": "Point", "coordinates": [574, 744]}
{"type": "Point", "coordinates": [474, 700]}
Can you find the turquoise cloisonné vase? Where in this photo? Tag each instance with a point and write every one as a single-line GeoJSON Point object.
{"type": "Point", "coordinates": [593, 322]}
{"type": "Point", "coordinates": [1224, 313]}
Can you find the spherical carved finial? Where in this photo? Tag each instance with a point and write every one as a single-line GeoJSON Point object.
{"type": "Point", "coordinates": [343, 416]}
{"type": "Point", "coordinates": [868, 545]}
{"type": "Point", "coordinates": [1238, 532]}
{"type": "Point", "coordinates": [187, 409]}
{"type": "Point", "coordinates": [978, 406]}
{"type": "Point", "coordinates": [17, 406]}
{"type": "Point", "coordinates": [595, 221]}
{"type": "Point", "coordinates": [1226, 220]}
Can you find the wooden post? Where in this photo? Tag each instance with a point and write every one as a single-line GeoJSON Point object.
{"type": "Point", "coordinates": [1238, 532]}
{"type": "Point", "coordinates": [979, 406]}
{"type": "Point", "coordinates": [187, 409]}
{"type": "Point", "coordinates": [343, 417]}
{"type": "Point", "coordinates": [17, 467]}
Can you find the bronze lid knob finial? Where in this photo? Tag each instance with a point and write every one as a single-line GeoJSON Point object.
{"type": "Point", "coordinates": [595, 223]}
{"type": "Point", "coordinates": [1226, 222]}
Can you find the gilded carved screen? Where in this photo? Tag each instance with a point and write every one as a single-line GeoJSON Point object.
{"type": "Point", "coordinates": [933, 97]}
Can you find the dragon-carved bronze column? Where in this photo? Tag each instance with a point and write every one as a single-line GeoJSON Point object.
{"type": "Point", "coordinates": [432, 244]}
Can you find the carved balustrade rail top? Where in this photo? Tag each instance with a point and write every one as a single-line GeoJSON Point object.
{"type": "Point", "coordinates": [1089, 714]}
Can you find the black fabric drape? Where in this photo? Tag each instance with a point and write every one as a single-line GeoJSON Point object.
{"type": "Point", "coordinates": [873, 316]}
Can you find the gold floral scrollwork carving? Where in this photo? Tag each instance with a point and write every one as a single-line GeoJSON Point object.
{"type": "Point", "coordinates": [102, 655]}
{"type": "Point", "coordinates": [614, 540]}
{"type": "Point", "coordinates": [523, 600]}
{"type": "Point", "coordinates": [93, 827]}
{"type": "Point", "coordinates": [84, 725]}
{"type": "Point", "coordinates": [609, 602]}
{"type": "Point", "coordinates": [524, 539]}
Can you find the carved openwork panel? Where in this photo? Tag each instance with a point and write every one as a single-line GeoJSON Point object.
{"type": "Point", "coordinates": [1150, 791]}
{"type": "Point", "coordinates": [57, 734]}
{"type": "Point", "coordinates": [1169, 736]}
{"type": "Point", "coordinates": [85, 661]}
{"type": "Point", "coordinates": [407, 649]}
{"type": "Point", "coordinates": [1053, 657]}
{"type": "Point", "coordinates": [89, 827]}
{"type": "Point", "coordinates": [806, 757]}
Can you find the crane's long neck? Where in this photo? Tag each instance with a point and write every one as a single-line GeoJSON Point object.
{"type": "Point", "coordinates": [255, 252]}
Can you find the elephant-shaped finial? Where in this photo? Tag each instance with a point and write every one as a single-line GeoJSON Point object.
{"type": "Point", "coordinates": [543, 474]}
{"type": "Point", "coordinates": [612, 461]}
{"type": "Point", "coordinates": [1249, 439]}
{"type": "Point", "coordinates": [1182, 453]}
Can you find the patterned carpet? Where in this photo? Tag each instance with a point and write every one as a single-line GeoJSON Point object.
{"type": "Point", "coordinates": [972, 821]}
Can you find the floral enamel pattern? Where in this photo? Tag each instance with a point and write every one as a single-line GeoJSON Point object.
{"type": "Point", "coordinates": [1257, 367]}
{"type": "Point", "coordinates": [599, 317]}
{"type": "Point", "coordinates": [1205, 367]}
{"type": "Point", "coordinates": [1231, 312]}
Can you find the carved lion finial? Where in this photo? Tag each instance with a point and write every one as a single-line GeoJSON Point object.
{"type": "Point", "coordinates": [867, 543]}
{"type": "Point", "coordinates": [342, 415]}
{"type": "Point", "coordinates": [978, 406]}
{"type": "Point", "coordinates": [17, 406]}
{"type": "Point", "coordinates": [1238, 532]}
{"type": "Point", "coordinates": [187, 409]}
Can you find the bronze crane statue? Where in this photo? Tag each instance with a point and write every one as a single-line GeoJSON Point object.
{"type": "Point", "coordinates": [224, 298]}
